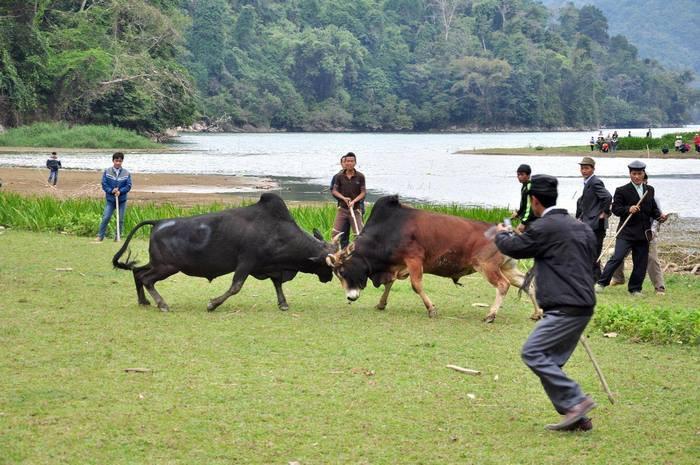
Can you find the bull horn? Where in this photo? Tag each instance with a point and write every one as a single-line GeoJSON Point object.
{"type": "Point", "coordinates": [351, 248]}
{"type": "Point", "coordinates": [331, 260]}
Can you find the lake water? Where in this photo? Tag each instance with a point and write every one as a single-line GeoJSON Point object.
{"type": "Point", "coordinates": [418, 167]}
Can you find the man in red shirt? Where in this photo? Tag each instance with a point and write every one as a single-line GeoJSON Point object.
{"type": "Point", "coordinates": [696, 141]}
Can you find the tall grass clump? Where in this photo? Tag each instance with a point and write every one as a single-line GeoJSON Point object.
{"type": "Point", "coordinates": [661, 325]}
{"type": "Point", "coordinates": [82, 216]}
{"type": "Point", "coordinates": [75, 136]}
{"type": "Point", "coordinates": [641, 143]}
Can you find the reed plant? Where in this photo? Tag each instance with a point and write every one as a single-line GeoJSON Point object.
{"type": "Point", "coordinates": [81, 216]}
{"type": "Point", "coordinates": [75, 136]}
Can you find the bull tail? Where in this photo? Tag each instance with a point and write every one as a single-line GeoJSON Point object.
{"type": "Point", "coordinates": [129, 264]}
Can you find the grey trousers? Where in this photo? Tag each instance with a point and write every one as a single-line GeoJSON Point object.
{"type": "Point", "coordinates": [547, 350]}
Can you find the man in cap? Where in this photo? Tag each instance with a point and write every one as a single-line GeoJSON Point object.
{"type": "Point", "coordinates": [563, 249]}
{"type": "Point", "coordinates": [525, 212]}
{"type": "Point", "coordinates": [593, 207]}
{"type": "Point", "coordinates": [635, 201]}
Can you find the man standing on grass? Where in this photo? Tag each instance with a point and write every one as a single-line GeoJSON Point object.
{"type": "Point", "coordinates": [116, 182]}
{"type": "Point", "coordinates": [349, 189]}
{"type": "Point", "coordinates": [593, 207]}
{"type": "Point", "coordinates": [563, 249]}
{"type": "Point", "coordinates": [634, 203]}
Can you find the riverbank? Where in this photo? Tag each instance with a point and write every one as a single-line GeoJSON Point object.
{"type": "Point", "coordinates": [581, 151]}
{"type": "Point", "coordinates": [181, 189]}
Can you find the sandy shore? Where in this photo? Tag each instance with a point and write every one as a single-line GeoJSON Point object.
{"type": "Point", "coordinates": [181, 189]}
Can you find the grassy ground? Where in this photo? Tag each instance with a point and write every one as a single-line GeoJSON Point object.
{"type": "Point", "coordinates": [325, 382]}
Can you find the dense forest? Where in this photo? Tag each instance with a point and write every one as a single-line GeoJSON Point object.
{"type": "Point", "coordinates": [372, 65]}
{"type": "Point", "coordinates": [663, 30]}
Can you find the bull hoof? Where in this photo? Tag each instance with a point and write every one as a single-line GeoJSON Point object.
{"type": "Point", "coordinates": [211, 306]}
{"type": "Point", "coordinates": [164, 308]}
{"type": "Point", "coordinates": [490, 318]}
{"type": "Point", "coordinates": [380, 307]}
{"type": "Point", "coordinates": [432, 313]}
{"type": "Point", "coordinates": [284, 307]}
{"type": "Point", "coordinates": [145, 303]}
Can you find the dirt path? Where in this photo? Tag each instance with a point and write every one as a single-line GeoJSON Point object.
{"type": "Point", "coordinates": [180, 189]}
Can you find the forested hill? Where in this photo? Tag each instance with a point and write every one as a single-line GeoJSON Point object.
{"type": "Point", "coordinates": [327, 65]}
{"type": "Point", "coordinates": [663, 30]}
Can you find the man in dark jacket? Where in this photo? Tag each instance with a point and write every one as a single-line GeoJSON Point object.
{"type": "Point", "coordinates": [525, 212]}
{"type": "Point", "coordinates": [593, 207]}
{"type": "Point", "coordinates": [563, 249]}
{"type": "Point", "coordinates": [116, 183]}
{"type": "Point", "coordinates": [635, 201]}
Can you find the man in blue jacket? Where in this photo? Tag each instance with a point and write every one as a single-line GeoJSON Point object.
{"type": "Point", "coordinates": [563, 249]}
{"type": "Point", "coordinates": [116, 182]}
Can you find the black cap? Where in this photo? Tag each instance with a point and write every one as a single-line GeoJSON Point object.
{"type": "Point", "coordinates": [636, 166]}
{"type": "Point", "coordinates": [544, 185]}
{"type": "Point", "coordinates": [524, 169]}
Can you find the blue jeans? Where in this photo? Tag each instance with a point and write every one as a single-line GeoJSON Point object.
{"type": "Point", "coordinates": [53, 177]}
{"type": "Point", "coordinates": [107, 215]}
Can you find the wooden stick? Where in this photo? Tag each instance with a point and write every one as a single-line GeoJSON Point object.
{"type": "Point", "coordinates": [118, 232]}
{"type": "Point", "coordinates": [621, 228]}
{"type": "Point", "coordinates": [466, 371]}
{"type": "Point", "coordinates": [137, 370]}
{"type": "Point", "coordinates": [354, 220]}
{"type": "Point", "coordinates": [584, 343]}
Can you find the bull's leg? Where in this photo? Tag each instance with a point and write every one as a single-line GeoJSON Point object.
{"type": "Point", "coordinates": [151, 276]}
{"type": "Point", "coordinates": [385, 296]}
{"type": "Point", "coordinates": [415, 271]}
{"type": "Point", "coordinates": [281, 300]}
{"type": "Point", "coordinates": [239, 278]}
{"type": "Point", "coordinates": [498, 280]}
{"type": "Point", "coordinates": [140, 294]}
{"type": "Point", "coordinates": [516, 278]}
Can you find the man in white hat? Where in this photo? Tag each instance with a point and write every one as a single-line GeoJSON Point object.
{"type": "Point", "coordinates": [635, 201]}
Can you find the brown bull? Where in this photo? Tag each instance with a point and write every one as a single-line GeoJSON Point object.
{"type": "Point", "coordinates": [400, 242]}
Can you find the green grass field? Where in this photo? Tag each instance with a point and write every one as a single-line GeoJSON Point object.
{"type": "Point", "coordinates": [63, 135]}
{"type": "Point", "coordinates": [323, 383]}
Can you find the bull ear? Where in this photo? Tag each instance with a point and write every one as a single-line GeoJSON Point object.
{"type": "Point", "coordinates": [318, 235]}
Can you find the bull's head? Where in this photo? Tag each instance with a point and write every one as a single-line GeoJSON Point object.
{"type": "Point", "coordinates": [351, 269]}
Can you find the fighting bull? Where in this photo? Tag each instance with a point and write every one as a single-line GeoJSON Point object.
{"type": "Point", "coordinates": [261, 240]}
{"type": "Point", "coordinates": [400, 242]}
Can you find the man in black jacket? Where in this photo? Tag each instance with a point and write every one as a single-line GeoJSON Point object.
{"type": "Point", "coordinates": [563, 249]}
{"type": "Point", "coordinates": [636, 201]}
{"type": "Point", "coordinates": [593, 207]}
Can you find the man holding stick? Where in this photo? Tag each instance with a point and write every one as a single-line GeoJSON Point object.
{"type": "Point", "coordinates": [634, 203]}
{"type": "Point", "coordinates": [349, 189]}
{"type": "Point", "coordinates": [563, 249]}
{"type": "Point", "coordinates": [116, 183]}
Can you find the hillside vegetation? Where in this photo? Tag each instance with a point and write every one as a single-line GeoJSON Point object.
{"type": "Point", "coordinates": [367, 65]}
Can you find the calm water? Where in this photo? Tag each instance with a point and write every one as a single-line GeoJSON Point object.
{"type": "Point", "coordinates": [420, 167]}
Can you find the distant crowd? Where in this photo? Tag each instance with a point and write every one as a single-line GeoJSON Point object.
{"type": "Point", "coordinates": [609, 144]}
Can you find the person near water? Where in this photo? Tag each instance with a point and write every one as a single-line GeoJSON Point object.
{"type": "Point", "coordinates": [116, 183]}
{"type": "Point", "coordinates": [53, 164]}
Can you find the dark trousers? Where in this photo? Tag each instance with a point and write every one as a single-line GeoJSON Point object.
{"type": "Point", "coordinates": [599, 238]}
{"type": "Point", "coordinates": [547, 350]}
{"type": "Point", "coordinates": [640, 257]}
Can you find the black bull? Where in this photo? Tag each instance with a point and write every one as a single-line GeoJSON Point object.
{"type": "Point", "coordinates": [261, 240]}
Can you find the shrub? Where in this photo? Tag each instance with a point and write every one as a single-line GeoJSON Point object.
{"type": "Point", "coordinates": [658, 325]}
